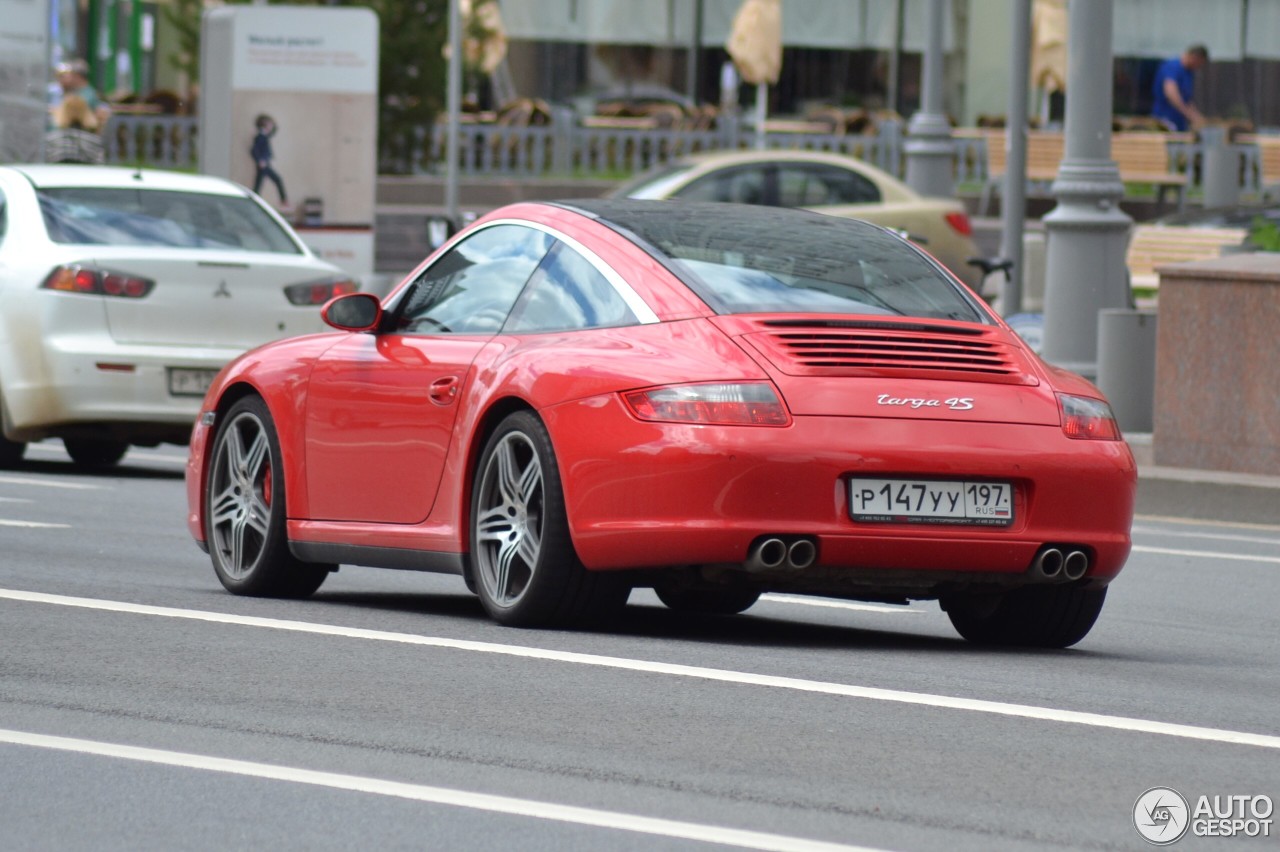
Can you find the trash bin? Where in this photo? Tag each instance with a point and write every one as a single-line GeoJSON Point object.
{"type": "Point", "coordinates": [1127, 365]}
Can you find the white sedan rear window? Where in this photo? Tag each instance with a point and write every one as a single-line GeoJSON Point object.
{"type": "Point", "coordinates": [150, 217]}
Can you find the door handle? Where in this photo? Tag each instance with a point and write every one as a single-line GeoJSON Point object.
{"type": "Point", "coordinates": [444, 391]}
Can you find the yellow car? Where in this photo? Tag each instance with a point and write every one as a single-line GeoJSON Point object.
{"type": "Point", "coordinates": [826, 183]}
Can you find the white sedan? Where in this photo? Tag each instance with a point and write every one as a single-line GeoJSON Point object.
{"type": "Point", "coordinates": [825, 183]}
{"type": "Point", "coordinates": [123, 292]}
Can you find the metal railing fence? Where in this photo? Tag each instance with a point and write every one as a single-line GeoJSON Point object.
{"type": "Point", "coordinates": [567, 147]}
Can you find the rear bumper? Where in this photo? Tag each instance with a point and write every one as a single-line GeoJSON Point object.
{"type": "Point", "coordinates": [653, 495]}
{"type": "Point", "coordinates": [86, 383]}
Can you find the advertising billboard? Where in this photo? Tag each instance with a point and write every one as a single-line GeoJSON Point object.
{"type": "Point", "coordinates": [288, 107]}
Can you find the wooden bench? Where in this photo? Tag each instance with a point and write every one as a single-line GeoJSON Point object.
{"type": "Point", "coordinates": [1268, 145]}
{"type": "Point", "coordinates": [1153, 246]}
{"type": "Point", "coordinates": [1142, 157]}
{"type": "Point", "coordinates": [1044, 155]}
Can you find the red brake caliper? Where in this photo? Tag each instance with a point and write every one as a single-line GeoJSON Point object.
{"type": "Point", "coordinates": [266, 485]}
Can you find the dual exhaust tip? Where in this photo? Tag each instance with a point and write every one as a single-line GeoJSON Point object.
{"type": "Point", "coordinates": [1051, 564]}
{"type": "Point", "coordinates": [1060, 564]}
{"type": "Point", "coordinates": [773, 552]}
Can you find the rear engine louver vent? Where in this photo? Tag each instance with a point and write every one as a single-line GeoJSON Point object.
{"type": "Point", "coordinates": [966, 354]}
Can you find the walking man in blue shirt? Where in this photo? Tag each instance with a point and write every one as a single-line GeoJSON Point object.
{"type": "Point", "coordinates": [1174, 84]}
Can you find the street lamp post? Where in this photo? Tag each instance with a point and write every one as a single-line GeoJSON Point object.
{"type": "Point", "coordinates": [1013, 202]}
{"type": "Point", "coordinates": [453, 105]}
{"type": "Point", "coordinates": [1087, 231]}
{"type": "Point", "coordinates": [929, 148]}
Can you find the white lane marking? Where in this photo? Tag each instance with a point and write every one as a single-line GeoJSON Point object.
{"type": "Point", "coordinates": [945, 702]}
{"type": "Point", "coordinates": [15, 500]}
{"type": "Point", "coordinates": [37, 525]}
{"type": "Point", "coordinates": [57, 449]}
{"type": "Point", "coordinates": [46, 483]}
{"type": "Point", "coordinates": [436, 795]}
{"type": "Point", "coordinates": [834, 604]}
{"type": "Point", "coordinates": [1242, 525]}
{"type": "Point", "coordinates": [161, 457]}
{"type": "Point", "coordinates": [1245, 539]}
{"type": "Point", "coordinates": [1205, 554]}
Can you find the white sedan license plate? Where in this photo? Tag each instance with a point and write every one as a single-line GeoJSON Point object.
{"type": "Point", "coordinates": [187, 382]}
{"type": "Point", "coordinates": [912, 501]}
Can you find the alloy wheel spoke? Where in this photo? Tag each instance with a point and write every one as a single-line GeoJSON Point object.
{"type": "Point", "coordinates": [256, 454]}
{"type": "Point", "coordinates": [528, 547]}
{"type": "Point", "coordinates": [238, 546]}
{"type": "Point", "coordinates": [530, 482]}
{"type": "Point", "coordinates": [234, 445]}
{"type": "Point", "coordinates": [494, 525]}
{"type": "Point", "coordinates": [506, 555]}
{"type": "Point", "coordinates": [225, 505]}
{"type": "Point", "coordinates": [257, 515]}
{"type": "Point", "coordinates": [508, 477]}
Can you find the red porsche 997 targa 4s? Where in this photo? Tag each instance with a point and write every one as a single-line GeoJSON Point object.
{"type": "Point", "coordinates": [571, 400]}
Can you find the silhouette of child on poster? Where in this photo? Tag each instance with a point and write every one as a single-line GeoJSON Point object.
{"type": "Point", "coordinates": [262, 156]}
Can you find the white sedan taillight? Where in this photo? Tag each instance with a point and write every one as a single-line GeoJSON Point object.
{"type": "Point", "coordinates": [319, 292]}
{"type": "Point", "coordinates": [97, 282]}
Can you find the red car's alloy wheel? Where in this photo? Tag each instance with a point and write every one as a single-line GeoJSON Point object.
{"type": "Point", "coordinates": [523, 563]}
{"type": "Point", "coordinates": [239, 507]}
{"type": "Point", "coordinates": [245, 512]}
{"type": "Point", "coordinates": [510, 523]}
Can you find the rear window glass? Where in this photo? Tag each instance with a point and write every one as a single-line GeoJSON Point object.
{"type": "Point", "coordinates": [149, 217]}
{"type": "Point", "coordinates": [767, 260]}
{"type": "Point", "coordinates": [656, 183]}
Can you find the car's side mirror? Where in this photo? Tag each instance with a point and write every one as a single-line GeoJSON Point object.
{"type": "Point", "coordinates": [353, 312]}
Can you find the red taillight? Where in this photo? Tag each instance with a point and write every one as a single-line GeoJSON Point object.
{"type": "Point", "coordinates": [97, 282]}
{"type": "Point", "coordinates": [960, 223]}
{"type": "Point", "coordinates": [319, 292]}
{"type": "Point", "coordinates": [746, 404]}
{"type": "Point", "coordinates": [1087, 419]}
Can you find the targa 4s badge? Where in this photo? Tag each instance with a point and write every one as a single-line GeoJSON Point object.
{"type": "Point", "coordinates": [955, 403]}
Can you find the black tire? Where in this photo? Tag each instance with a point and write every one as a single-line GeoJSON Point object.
{"type": "Point", "coordinates": [95, 452]}
{"type": "Point", "coordinates": [245, 510]}
{"type": "Point", "coordinates": [525, 569]}
{"type": "Point", "coordinates": [1034, 616]}
{"type": "Point", "coordinates": [11, 452]}
{"type": "Point", "coordinates": [709, 600]}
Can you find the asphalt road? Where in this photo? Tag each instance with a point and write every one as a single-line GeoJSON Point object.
{"type": "Point", "coordinates": [141, 707]}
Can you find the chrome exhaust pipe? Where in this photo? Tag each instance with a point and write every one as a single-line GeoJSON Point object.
{"type": "Point", "coordinates": [801, 554]}
{"type": "Point", "coordinates": [1075, 565]}
{"type": "Point", "coordinates": [1048, 563]}
{"type": "Point", "coordinates": [766, 554]}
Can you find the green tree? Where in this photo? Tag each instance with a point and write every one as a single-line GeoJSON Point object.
{"type": "Point", "coordinates": [411, 75]}
{"type": "Point", "coordinates": [184, 15]}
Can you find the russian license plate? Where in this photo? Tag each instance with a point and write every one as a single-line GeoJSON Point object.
{"type": "Point", "coordinates": [187, 382]}
{"type": "Point", "coordinates": [927, 501]}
